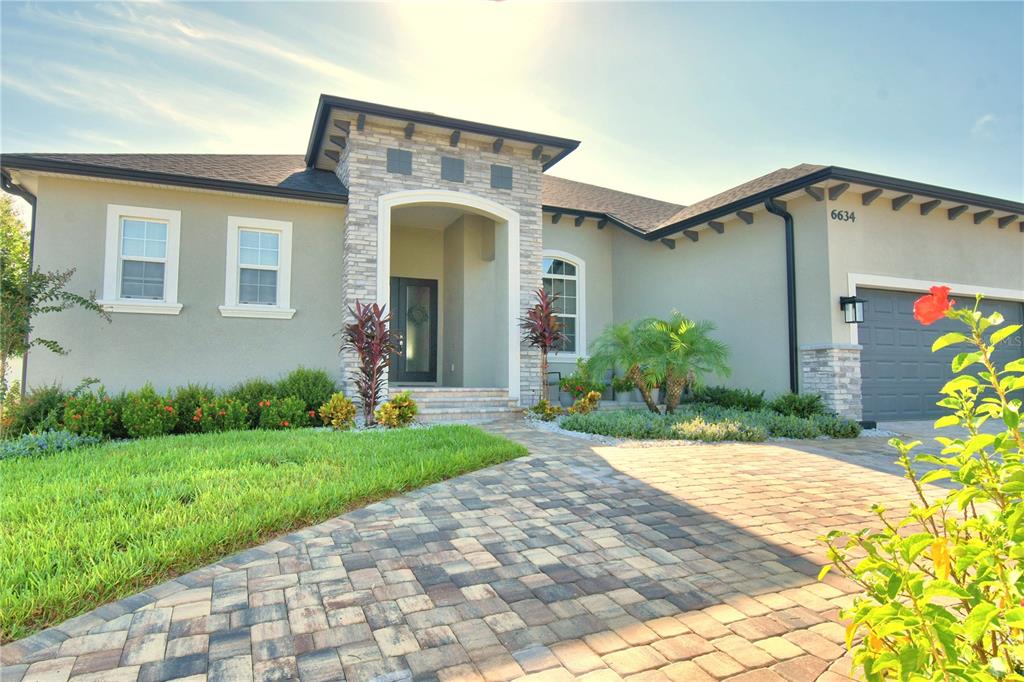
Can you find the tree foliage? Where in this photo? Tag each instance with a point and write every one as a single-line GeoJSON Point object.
{"type": "Point", "coordinates": [26, 293]}
{"type": "Point", "coordinates": [943, 586]}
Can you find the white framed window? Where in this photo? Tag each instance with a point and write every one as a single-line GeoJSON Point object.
{"type": "Point", "coordinates": [257, 279]}
{"type": "Point", "coordinates": [140, 267]}
{"type": "Point", "coordinates": [564, 275]}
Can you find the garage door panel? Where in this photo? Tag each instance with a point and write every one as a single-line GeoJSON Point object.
{"type": "Point", "coordinates": [900, 375]}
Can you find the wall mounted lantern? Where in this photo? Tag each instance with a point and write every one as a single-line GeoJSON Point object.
{"type": "Point", "coordinates": [853, 309]}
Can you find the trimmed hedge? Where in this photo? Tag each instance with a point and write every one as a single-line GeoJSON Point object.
{"type": "Point", "coordinates": [145, 413]}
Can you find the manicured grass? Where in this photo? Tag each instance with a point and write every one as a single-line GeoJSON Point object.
{"type": "Point", "coordinates": [85, 527]}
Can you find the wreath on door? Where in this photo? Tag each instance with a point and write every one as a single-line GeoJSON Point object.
{"type": "Point", "coordinates": [417, 314]}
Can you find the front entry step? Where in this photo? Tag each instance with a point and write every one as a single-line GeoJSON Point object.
{"type": "Point", "coordinates": [438, 404]}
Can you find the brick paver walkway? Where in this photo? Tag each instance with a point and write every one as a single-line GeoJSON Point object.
{"type": "Point", "coordinates": [579, 561]}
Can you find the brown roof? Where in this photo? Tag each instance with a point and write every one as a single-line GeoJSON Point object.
{"type": "Point", "coordinates": [282, 174]}
{"type": "Point", "coordinates": [740, 192]}
{"type": "Point", "coordinates": [641, 212]}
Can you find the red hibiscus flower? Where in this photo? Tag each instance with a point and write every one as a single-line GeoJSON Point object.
{"type": "Point", "coordinates": [284, 423]}
{"type": "Point", "coordinates": [933, 306]}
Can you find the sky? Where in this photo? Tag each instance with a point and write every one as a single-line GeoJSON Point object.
{"type": "Point", "coordinates": [672, 100]}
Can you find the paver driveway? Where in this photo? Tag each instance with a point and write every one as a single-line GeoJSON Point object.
{"type": "Point", "coordinates": [579, 561]}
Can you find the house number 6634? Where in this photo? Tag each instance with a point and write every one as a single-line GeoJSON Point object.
{"type": "Point", "coordinates": [847, 216]}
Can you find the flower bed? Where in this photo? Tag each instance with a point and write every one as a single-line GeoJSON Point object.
{"type": "Point", "coordinates": [707, 422]}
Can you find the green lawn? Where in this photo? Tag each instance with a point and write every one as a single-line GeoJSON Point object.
{"type": "Point", "coordinates": [84, 528]}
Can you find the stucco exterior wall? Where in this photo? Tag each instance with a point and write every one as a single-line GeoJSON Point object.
{"type": "Point", "coordinates": [907, 245]}
{"type": "Point", "coordinates": [594, 248]}
{"type": "Point", "coordinates": [736, 280]}
{"type": "Point", "coordinates": [197, 345]}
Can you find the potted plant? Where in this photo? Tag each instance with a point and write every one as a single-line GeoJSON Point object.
{"type": "Point", "coordinates": [623, 387]}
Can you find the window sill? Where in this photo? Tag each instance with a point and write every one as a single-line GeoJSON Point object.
{"type": "Point", "coordinates": [144, 307]}
{"type": "Point", "coordinates": [256, 311]}
{"type": "Point", "coordinates": [565, 357]}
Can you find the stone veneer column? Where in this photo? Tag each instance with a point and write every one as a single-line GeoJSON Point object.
{"type": "Point", "coordinates": [363, 170]}
{"type": "Point", "coordinates": [833, 371]}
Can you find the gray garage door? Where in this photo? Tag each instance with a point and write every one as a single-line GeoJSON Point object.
{"type": "Point", "coordinates": [901, 376]}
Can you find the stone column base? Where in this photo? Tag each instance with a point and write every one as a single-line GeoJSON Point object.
{"type": "Point", "coordinates": [833, 371]}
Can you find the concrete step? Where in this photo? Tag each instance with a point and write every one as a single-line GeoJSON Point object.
{"type": "Point", "coordinates": [460, 399]}
{"type": "Point", "coordinates": [447, 416]}
{"type": "Point", "coordinates": [428, 393]}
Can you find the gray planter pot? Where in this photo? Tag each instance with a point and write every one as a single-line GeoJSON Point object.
{"type": "Point", "coordinates": [655, 394]}
{"type": "Point", "coordinates": [624, 397]}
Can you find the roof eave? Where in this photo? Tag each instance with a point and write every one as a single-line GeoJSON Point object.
{"type": "Point", "coordinates": [327, 102]}
{"type": "Point", "coordinates": [598, 215]}
{"type": "Point", "coordinates": [27, 163]}
{"type": "Point", "coordinates": [845, 175]}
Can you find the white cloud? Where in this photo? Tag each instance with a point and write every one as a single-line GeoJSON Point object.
{"type": "Point", "coordinates": [983, 126]}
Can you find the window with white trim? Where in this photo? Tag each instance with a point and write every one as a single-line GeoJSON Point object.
{"type": "Point", "coordinates": [563, 277]}
{"type": "Point", "coordinates": [140, 272]}
{"type": "Point", "coordinates": [258, 268]}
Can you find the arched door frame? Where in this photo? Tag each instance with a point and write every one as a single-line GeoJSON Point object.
{"type": "Point", "coordinates": [472, 204]}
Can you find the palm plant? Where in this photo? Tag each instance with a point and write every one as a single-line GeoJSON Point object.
{"type": "Point", "coordinates": [542, 330]}
{"type": "Point", "coordinates": [679, 352]}
{"type": "Point", "coordinates": [619, 347]}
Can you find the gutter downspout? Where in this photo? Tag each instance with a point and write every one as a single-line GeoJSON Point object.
{"type": "Point", "coordinates": [9, 186]}
{"type": "Point", "coordinates": [775, 208]}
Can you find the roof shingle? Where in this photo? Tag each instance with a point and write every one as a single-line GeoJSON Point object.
{"type": "Point", "coordinates": [286, 172]}
{"type": "Point", "coordinates": [739, 192]}
{"type": "Point", "coordinates": [642, 212]}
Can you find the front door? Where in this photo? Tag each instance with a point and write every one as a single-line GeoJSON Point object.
{"type": "Point", "coordinates": [414, 318]}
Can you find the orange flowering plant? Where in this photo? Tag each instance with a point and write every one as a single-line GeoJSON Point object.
{"type": "Point", "coordinates": [943, 585]}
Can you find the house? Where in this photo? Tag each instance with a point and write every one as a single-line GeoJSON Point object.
{"type": "Point", "coordinates": [218, 268]}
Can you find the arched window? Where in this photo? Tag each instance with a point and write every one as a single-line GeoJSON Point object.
{"type": "Point", "coordinates": [564, 277]}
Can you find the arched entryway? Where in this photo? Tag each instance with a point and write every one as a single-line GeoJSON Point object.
{"type": "Point", "coordinates": [448, 268]}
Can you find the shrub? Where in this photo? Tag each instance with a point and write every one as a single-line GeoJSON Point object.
{"type": "Point", "coordinates": [147, 414]}
{"type": "Point", "coordinates": [89, 414]}
{"type": "Point", "coordinates": [698, 428]}
{"type": "Point", "coordinates": [283, 413]}
{"type": "Point", "coordinates": [339, 412]}
{"type": "Point", "coordinates": [313, 387]}
{"type": "Point", "coordinates": [621, 424]}
{"type": "Point", "coordinates": [251, 393]}
{"type": "Point", "coordinates": [187, 400]}
{"type": "Point", "coordinates": [580, 382]}
{"type": "Point", "coordinates": [545, 410]}
{"type": "Point", "coordinates": [789, 426]}
{"type": "Point", "coordinates": [586, 404]}
{"type": "Point", "coordinates": [836, 427]}
{"type": "Point", "coordinates": [45, 443]}
{"type": "Point", "coordinates": [740, 398]}
{"type": "Point", "coordinates": [40, 409]}
{"type": "Point", "coordinates": [397, 412]}
{"type": "Point", "coordinates": [942, 588]}
{"type": "Point", "coordinates": [542, 330]}
{"type": "Point", "coordinates": [369, 336]}
{"type": "Point", "coordinates": [802, 405]}
{"type": "Point", "coordinates": [220, 414]}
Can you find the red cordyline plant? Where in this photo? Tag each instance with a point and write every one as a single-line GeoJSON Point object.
{"type": "Point", "coordinates": [942, 585]}
{"type": "Point", "coordinates": [370, 336]}
{"type": "Point", "coordinates": [542, 330]}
